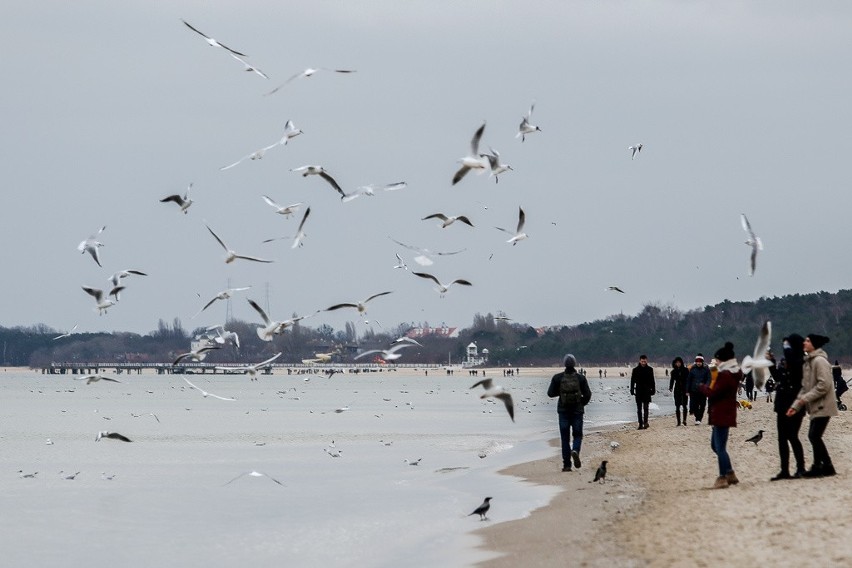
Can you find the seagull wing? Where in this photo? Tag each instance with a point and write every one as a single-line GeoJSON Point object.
{"type": "Point", "coordinates": [271, 202]}
{"type": "Point", "coordinates": [365, 353]}
{"type": "Point", "coordinates": [377, 295]}
{"type": "Point", "coordinates": [522, 217]}
{"type": "Point", "coordinates": [174, 198]}
{"type": "Point", "coordinates": [485, 383]}
{"type": "Point", "coordinates": [260, 311]}
{"type": "Point", "coordinates": [215, 236]}
{"type": "Point", "coordinates": [333, 183]}
{"type": "Point", "coordinates": [464, 220]}
{"type": "Point", "coordinates": [338, 306]}
{"type": "Point", "coordinates": [474, 142]}
{"type": "Point", "coordinates": [270, 360]}
{"type": "Point", "coordinates": [304, 218]}
{"type": "Point", "coordinates": [460, 174]}
{"type": "Point", "coordinates": [117, 436]}
{"type": "Point", "coordinates": [428, 277]}
{"type": "Point", "coordinates": [460, 281]}
{"type": "Point", "coordinates": [96, 293]}
{"type": "Point", "coordinates": [510, 406]}
{"type": "Point", "coordinates": [440, 216]}
{"type": "Point", "coordinates": [252, 258]}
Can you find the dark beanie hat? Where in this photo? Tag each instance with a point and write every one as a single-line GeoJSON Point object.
{"type": "Point", "coordinates": [569, 361]}
{"type": "Point", "coordinates": [817, 340]}
{"type": "Point", "coordinates": [725, 353]}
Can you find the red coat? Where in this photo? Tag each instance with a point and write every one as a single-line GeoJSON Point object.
{"type": "Point", "coordinates": [722, 396]}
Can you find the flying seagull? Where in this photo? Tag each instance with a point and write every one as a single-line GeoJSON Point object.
{"type": "Point", "coordinates": [231, 256]}
{"type": "Point", "coordinates": [448, 220]}
{"type": "Point", "coordinates": [112, 436]}
{"type": "Point", "coordinates": [290, 131]}
{"type": "Point", "coordinates": [223, 295]}
{"type": "Point", "coordinates": [91, 245]}
{"type": "Point", "coordinates": [23, 475]}
{"type": "Point", "coordinates": [251, 370]}
{"type": "Point", "coordinates": [615, 289]}
{"type": "Point", "coordinates": [95, 378]}
{"type": "Point", "coordinates": [387, 354]}
{"type": "Point", "coordinates": [307, 73]}
{"type": "Point", "coordinates": [212, 42]}
{"type": "Point", "coordinates": [753, 241]}
{"type": "Point", "coordinates": [285, 210]}
{"type": "Point", "coordinates": [117, 276]}
{"type": "Point", "coordinates": [360, 306]}
{"type": "Point", "coordinates": [68, 476]}
{"type": "Point", "coordinates": [255, 474]}
{"type": "Point", "coordinates": [196, 354]}
{"type": "Point", "coordinates": [525, 127]}
{"type": "Point", "coordinates": [519, 234]}
{"type": "Point", "coordinates": [758, 362]}
{"type": "Point", "coordinates": [183, 201]}
{"type": "Point", "coordinates": [223, 335]}
{"type": "Point", "coordinates": [442, 288]}
{"type": "Point", "coordinates": [300, 234]}
{"type": "Point", "coordinates": [497, 167]}
{"type": "Point", "coordinates": [249, 67]}
{"type": "Point", "coordinates": [424, 258]}
{"type": "Point", "coordinates": [600, 474]}
{"type": "Point", "coordinates": [482, 509]}
{"type": "Point", "coordinates": [67, 333]}
{"type": "Point", "coordinates": [472, 161]}
{"type": "Point", "coordinates": [494, 391]}
{"type": "Point", "coordinates": [319, 171]}
{"type": "Point", "coordinates": [635, 150]}
{"type": "Point", "coordinates": [400, 263]}
{"type": "Point", "coordinates": [272, 327]}
{"type": "Point", "coordinates": [756, 438]}
{"type": "Point", "coordinates": [103, 304]}
{"type": "Point", "coordinates": [205, 393]}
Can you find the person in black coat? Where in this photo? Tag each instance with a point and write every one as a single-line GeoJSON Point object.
{"type": "Point", "coordinates": [677, 386]}
{"type": "Point", "coordinates": [787, 386]}
{"type": "Point", "coordinates": [643, 387]}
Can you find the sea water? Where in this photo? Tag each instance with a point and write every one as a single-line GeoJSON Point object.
{"type": "Point", "coordinates": [180, 496]}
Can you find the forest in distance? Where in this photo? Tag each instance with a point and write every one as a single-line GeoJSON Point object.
{"type": "Point", "coordinates": [661, 331]}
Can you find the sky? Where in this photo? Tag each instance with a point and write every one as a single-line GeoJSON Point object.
{"type": "Point", "coordinates": [109, 107]}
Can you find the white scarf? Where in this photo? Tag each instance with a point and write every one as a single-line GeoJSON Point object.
{"type": "Point", "coordinates": [729, 365]}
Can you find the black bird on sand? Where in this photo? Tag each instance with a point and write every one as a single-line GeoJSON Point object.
{"type": "Point", "coordinates": [482, 509]}
{"type": "Point", "coordinates": [756, 438]}
{"type": "Point", "coordinates": [600, 474]}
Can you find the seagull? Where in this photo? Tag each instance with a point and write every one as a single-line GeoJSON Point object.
{"type": "Point", "coordinates": [91, 245]}
{"type": "Point", "coordinates": [494, 391]}
{"type": "Point", "coordinates": [482, 509]}
{"type": "Point", "coordinates": [251, 370]}
{"type": "Point", "coordinates": [223, 335]}
{"type": "Point", "coordinates": [370, 190]}
{"type": "Point", "coordinates": [424, 258]}
{"type": "Point", "coordinates": [205, 393]}
{"type": "Point", "coordinates": [615, 289]}
{"type": "Point", "coordinates": [281, 209]}
{"type": "Point", "coordinates": [150, 414]}
{"type": "Point", "coordinates": [387, 354]}
{"type": "Point", "coordinates": [474, 160]}
{"type": "Point", "coordinates": [272, 327]}
{"type": "Point", "coordinates": [756, 438]}
{"type": "Point", "coordinates": [753, 241]}
{"type": "Point", "coordinates": [447, 221]}
{"type": "Point", "coordinates": [525, 127]}
{"type": "Point", "coordinates": [319, 171]}
{"type": "Point", "coordinates": [635, 149]}
{"type": "Point", "coordinates": [300, 234]}
{"type": "Point", "coordinates": [183, 201]}
{"type": "Point", "coordinates": [103, 304]}
{"type": "Point", "coordinates": [212, 42]}
{"type": "Point", "coordinates": [600, 474]}
{"type": "Point", "coordinates": [67, 333]}
{"type": "Point", "coordinates": [223, 295]}
{"type": "Point", "coordinates": [442, 288]}
{"type": "Point", "coordinates": [23, 475]}
{"type": "Point", "coordinates": [494, 161]}
{"type": "Point", "coordinates": [290, 131]}
{"type": "Point", "coordinates": [518, 235]}
{"type": "Point", "coordinates": [95, 378]}
{"type": "Point", "coordinates": [112, 436]}
{"type": "Point", "coordinates": [360, 306]}
{"type": "Point", "coordinates": [231, 256]}
{"type": "Point", "coordinates": [400, 264]}
{"type": "Point", "coordinates": [249, 67]}
{"type": "Point", "coordinates": [68, 476]}
{"type": "Point", "coordinates": [405, 339]}
{"type": "Point", "coordinates": [116, 277]}
{"type": "Point", "coordinates": [49, 442]}
{"type": "Point", "coordinates": [106, 477]}
{"type": "Point", "coordinates": [758, 363]}
{"type": "Point", "coordinates": [196, 354]}
{"type": "Point", "coordinates": [307, 73]}
{"type": "Point", "coordinates": [255, 474]}
{"type": "Point", "coordinates": [414, 462]}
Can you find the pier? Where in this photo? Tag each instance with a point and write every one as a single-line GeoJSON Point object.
{"type": "Point", "coordinates": [91, 368]}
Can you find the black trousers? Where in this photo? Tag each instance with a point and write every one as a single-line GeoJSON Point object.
{"type": "Point", "coordinates": [788, 437]}
{"type": "Point", "coordinates": [697, 404]}
{"type": "Point", "coordinates": [815, 432]}
{"type": "Point", "coordinates": [642, 411]}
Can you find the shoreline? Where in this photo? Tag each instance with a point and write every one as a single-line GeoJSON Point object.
{"type": "Point", "coordinates": [658, 494]}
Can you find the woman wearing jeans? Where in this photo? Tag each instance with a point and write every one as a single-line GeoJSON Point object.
{"type": "Point", "coordinates": [722, 411]}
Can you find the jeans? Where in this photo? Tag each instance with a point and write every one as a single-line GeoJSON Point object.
{"type": "Point", "coordinates": [570, 422]}
{"type": "Point", "coordinates": [718, 443]}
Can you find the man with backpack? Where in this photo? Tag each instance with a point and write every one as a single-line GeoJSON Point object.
{"type": "Point", "coordinates": [573, 391]}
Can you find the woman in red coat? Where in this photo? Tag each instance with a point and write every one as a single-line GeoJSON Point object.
{"type": "Point", "coordinates": [722, 405]}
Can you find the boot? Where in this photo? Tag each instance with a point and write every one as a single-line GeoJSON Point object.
{"type": "Point", "coordinates": [828, 469]}
{"type": "Point", "coordinates": [781, 475]}
{"type": "Point", "coordinates": [800, 472]}
{"type": "Point", "coordinates": [815, 471]}
{"type": "Point", "coordinates": [721, 482]}
{"type": "Point", "coordinates": [732, 478]}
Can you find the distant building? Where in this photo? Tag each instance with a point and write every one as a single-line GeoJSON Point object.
{"type": "Point", "coordinates": [474, 357]}
{"type": "Point", "coordinates": [443, 331]}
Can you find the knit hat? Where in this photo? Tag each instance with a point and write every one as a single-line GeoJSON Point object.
{"type": "Point", "coordinates": [817, 340]}
{"type": "Point", "coordinates": [569, 361]}
{"type": "Point", "coordinates": [725, 353]}
{"type": "Point", "coordinates": [699, 357]}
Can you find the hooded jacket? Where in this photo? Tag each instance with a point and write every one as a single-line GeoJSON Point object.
{"type": "Point", "coordinates": [817, 394]}
{"type": "Point", "coordinates": [722, 395]}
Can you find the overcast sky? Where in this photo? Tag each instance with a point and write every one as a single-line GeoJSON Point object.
{"type": "Point", "coordinates": [741, 107]}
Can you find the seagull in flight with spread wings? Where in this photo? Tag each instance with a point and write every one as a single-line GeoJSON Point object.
{"type": "Point", "coordinates": [387, 354]}
{"type": "Point", "coordinates": [272, 327]}
{"type": "Point", "coordinates": [223, 295]}
{"type": "Point", "coordinates": [251, 370]}
{"type": "Point", "coordinates": [204, 393]}
{"type": "Point", "coordinates": [285, 210]}
{"type": "Point", "coordinates": [249, 67]}
{"type": "Point", "coordinates": [758, 362]}
{"type": "Point", "coordinates": [103, 304]}
{"type": "Point", "coordinates": [474, 160]}
{"type": "Point", "coordinates": [309, 72]}
{"type": "Point", "coordinates": [497, 167]}
{"type": "Point", "coordinates": [231, 255]}
{"type": "Point", "coordinates": [91, 245]}
{"type": "Point", "coordinates": [442, 288]}
{"type": "Point", "coordinates": [67, 333]}
{"type": "Point", "coordinates": [95, 378]}
{"type": "Point", "coordinates": [753, 241]}
{"type": "Point", "coordinates": [212, 42]}
{"type": "Point", "coordinates": [525, 127]}
{"type": "Point", "coordinates": [254, 474]}
{"type": "Point", "coordinates": [319, 171]}
{"type": "Point", "coordinates": [494, 391]}
{"type": "Point", "coordinates": [635, 151]}
{"type": "Point", "coordinates": [290, 131]}
{"type": "Point", "coordinates": [424, 258]}
{"type": "Point", "coordinates": [360, 306]}
{"type": "Point", "coordinates": [448, 220]}
{"type": "Point", "coordinates": [196, 354]}
{"type": "Point", "coordinates": [519, 234]}
{"type": "Point", "coordinates": [183, 201]}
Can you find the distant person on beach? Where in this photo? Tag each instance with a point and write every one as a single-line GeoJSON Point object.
{"type": "Point", "coordinates": [574, 394]}
{"type": "Point", "coordinates": [699, 375]}
{"type": "Point", "coordinates": [817, 396]}
{"type": "Point", "coordinates": [722, 414]}
{"type": "Point", "coordinates": [786, 390]}
{"type": "Point", "coordinates": [677, 386]}
{"type": "Point", "coordinates": [642, 387]}
{"type": "Point", "coordinates": [749, 386]}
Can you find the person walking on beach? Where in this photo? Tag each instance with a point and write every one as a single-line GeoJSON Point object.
{"type": "Point", "coordinates": [677, 386]}
{"type": "Point", "coordinates": [699, 375]}
{"type": "Point", "coordinates": [722, 414]}
{"type": "Point", "coordinates": [786, 390]}
{"type": "Point", "coordinates": [749, 386]}
{"type": "Point", "coordinates": [643, 387]}
{"type": "Point", "coordinates": [574, 394]}
{"type": "Point", "coordinates": [817, 396]}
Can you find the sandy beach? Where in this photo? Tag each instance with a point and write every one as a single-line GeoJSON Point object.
{"type": "Point", "coordinates": [657, 508]}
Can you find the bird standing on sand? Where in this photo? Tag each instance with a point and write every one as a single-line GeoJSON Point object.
{"type": "Point", "coordinates": [756, 438]}
{"type": "Point", "coordinates": [600, 474]}
{"type": "Point", "coordinates": [482, 509]}
{"type": "Point", "coordinates": [494, 391]}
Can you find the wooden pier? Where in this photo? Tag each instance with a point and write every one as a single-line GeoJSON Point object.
{"type": "Point", "coordinates": [91, 368]}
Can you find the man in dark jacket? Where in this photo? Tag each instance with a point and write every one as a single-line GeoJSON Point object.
{"type": "Point", "coordinates": [786, 390]}
{"type": "Point", "coordinates": [573, 391]}
{"type": "Point", "coordinates": [643, 387]}
{"type": "Point", "coordinates": [677, 386]}
{"type": "Point", "coordinates": [699, 375]}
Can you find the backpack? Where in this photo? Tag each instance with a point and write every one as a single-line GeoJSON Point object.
{"type": "Point", "coordinates": [569, 390]}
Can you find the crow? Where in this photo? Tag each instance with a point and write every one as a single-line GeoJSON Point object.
{"type": "Point", "coordinates": [756, 438]}
{"type": "Point", "coordinates": [600, 474]}
{"type": "Point", "coordinates": [482, 509]}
